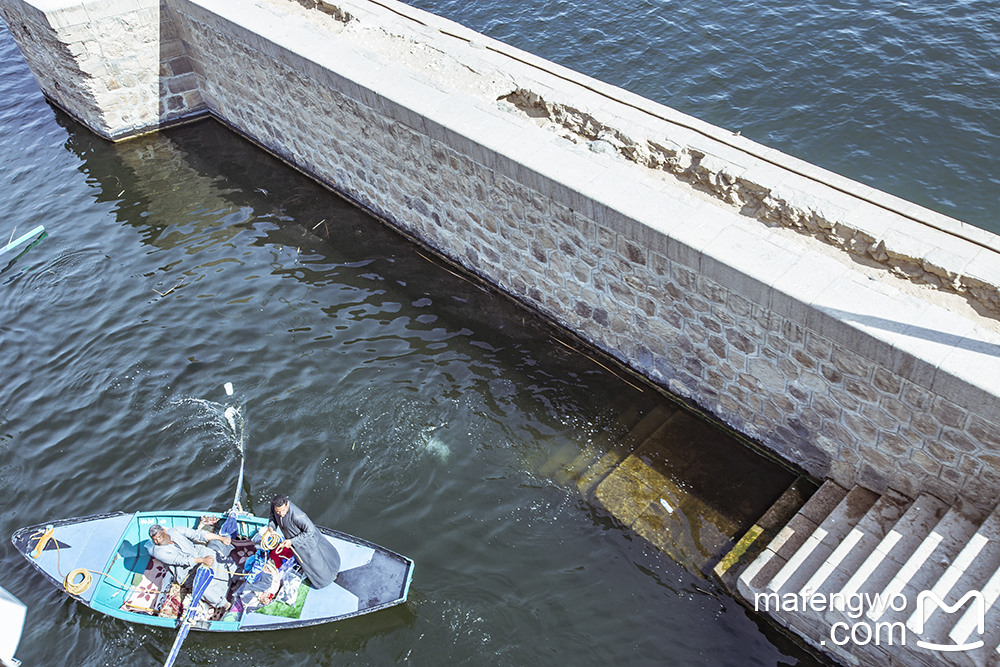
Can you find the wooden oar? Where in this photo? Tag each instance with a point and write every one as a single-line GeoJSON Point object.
{"type": "Point", "coordinates": [202, 578]}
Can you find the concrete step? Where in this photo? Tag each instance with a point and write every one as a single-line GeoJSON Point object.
{"type": "Point", "coordinates": [618, 435]}
{"type": "Point", "coordinates": [586, 456]}
{"type": "Point", "coordinates": [867, 561]}
{"type": "Point", "coordinates": [952, 541]}
{"type": "Point", "coordinates": [892, 551]}
{"type": "Point", "coordinates": [818, 547]}
{"type": "Point", "coordinates": [813, 561]}
{"type": "Point", "coordinates": [755, 578]}
{"type": "Point", "coordinates": [848, 556]}
{"type": "Point", "coordinates": [558, 459]}
{"type": "Point", "coordinates": [592, 475]}
{"type": "Point", "coordinates": [890, 595]}
{"type": "Point", "coordinates": [755, 540]}
{"type": "Point", "coordinates": [573, 459]}
{"type": "Point", "coordinates": [972, 570]}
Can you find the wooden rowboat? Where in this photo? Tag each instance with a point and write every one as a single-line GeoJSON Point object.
{"type": "Point", "coordinates": [108, 553]}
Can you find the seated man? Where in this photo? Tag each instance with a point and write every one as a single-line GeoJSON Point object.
{"type": "Point", "coordinates": [176, 548]}
{"type": "Point", "coordinates": [319, 559]}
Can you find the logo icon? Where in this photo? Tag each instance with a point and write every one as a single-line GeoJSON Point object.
{"type": "Point", "coordinates": [978, 608]}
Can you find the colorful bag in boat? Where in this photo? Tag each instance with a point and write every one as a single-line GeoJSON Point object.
{"type": "Point", "coordinates": [173, 602]}
{"type": "Point", "coordinates": [254, 565]}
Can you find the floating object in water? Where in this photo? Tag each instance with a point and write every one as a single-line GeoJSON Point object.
{"type": "Point", "coordinates": [229, 388]}
{"type": "Point", "coordinates": [12, 613]}
{"type": "Point", "coordinates": [24, 238]}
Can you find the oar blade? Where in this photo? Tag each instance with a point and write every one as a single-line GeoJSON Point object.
{"type": "Point", "coordinates": [175, 650]}
{"type": "Point", "coordinates": [202, 578]}
{"type": "Point", "coordinates": [230, 527]}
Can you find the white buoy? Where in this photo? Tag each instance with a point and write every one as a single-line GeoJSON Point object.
{"type": "Point", "coordinates": [229, 388]}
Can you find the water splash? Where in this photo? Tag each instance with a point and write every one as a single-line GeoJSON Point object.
{"type": "Point", "coordinates": [224, 421]}
{"type": "Point", "coordinates": [436, 447]}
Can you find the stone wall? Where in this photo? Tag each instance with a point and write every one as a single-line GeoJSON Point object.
{"type": "Point", "coordinates": [783, 299]}
{"type": "Point", "coordinates": [116, 65]}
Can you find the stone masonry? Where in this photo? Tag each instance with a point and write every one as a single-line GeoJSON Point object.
{"type": "Point", "coordinates": [854, 334]}
{"type": "Point", "coordinates": [117, 66]}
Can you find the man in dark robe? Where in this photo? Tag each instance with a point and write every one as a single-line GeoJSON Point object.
{"type": "Point", "coordinates": [318, 557]}
{"type": "Point", "coordinates": [177, 548]}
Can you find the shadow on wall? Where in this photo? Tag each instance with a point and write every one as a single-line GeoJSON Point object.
{"type": "Point", "coordinates": [945, 339]}
{"type": "Point", "coordinates": [180, 92]}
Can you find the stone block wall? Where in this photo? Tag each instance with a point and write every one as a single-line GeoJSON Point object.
{"type": "Point", "coordinates": [116, 65]}
{"type": "Point", "coordinates": [654, 237]}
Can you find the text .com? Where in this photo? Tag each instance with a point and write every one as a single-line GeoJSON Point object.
{"type": "Point", "coordinates": [864, 610]}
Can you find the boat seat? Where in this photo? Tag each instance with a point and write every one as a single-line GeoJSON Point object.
{"type": "Point", "coordinates": [146, 594]}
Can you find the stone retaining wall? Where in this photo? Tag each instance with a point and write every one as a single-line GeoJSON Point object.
{"type": "Point", "coordinates": [661, 240]}
{"type": "Point", "coordinates": [119, 67]}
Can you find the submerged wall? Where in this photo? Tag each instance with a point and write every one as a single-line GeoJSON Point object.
{"type": "Point", "coordinates": [855, 334]}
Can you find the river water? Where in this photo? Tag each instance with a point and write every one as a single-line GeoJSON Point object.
{"type": "Point", "coordinates": [899, 95]}
{"type": "Point", "coordinates": [388, 396]}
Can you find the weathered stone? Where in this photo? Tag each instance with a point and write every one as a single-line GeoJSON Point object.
{"type": "Point", "coordinates": [883, 420]}
{"type": "Point", "coordinates": [925, 424]}
{"type": "Point", "coordinates": [900, 412]}
{"type": "Point", "coordinates": [894, 444]}
{"type": "Point", "coordinates": [778, 344]}
{"type": "Point", "coordinates": [864, 429]}
{"type": "Point", "coordinates": [969, 466]}
{"type": "Point", "coordinates": [739, 306]}
{"type": "Point", "coordinates": [948, 413]}
{"type": "Point", "coordinates": [941, 488]}
{"type": "Point", "coordinates": [957, 440]}
{"type": "Point", "coordinates": [789, 368]}
{"type": "Point", "coordinates": [928, 464]}
{"type": "Point", "coordinates": [792, 332]}
{"type": "Point", "coordinates": [941, 453]}
{"type": "Point", "coordinates": [832, 374]}
{"type": "Point", "coordinates": [740, 341]}
{"type": "Point", "coordinates": [826, 407]}
{"type": "Point", "coordinates": [985, 433]}
{"type": "Point", "coordinates": [917, 397]}
{"type": "Point", "coordinates": [818, 347]}
{"type": "Point", "coordinates": [850, 363]}
{"type": "Point", "coordinates": [634, 253]}
{"type": "Point", "coordinates": [845, 400]}
{"type": "Point", "coordinates": [803, 359]}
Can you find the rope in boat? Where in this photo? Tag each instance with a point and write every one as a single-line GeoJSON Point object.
{"type": "Point", "coordinates": [43, 537]}
{"type": "Point", "coordinates": [270, 541]}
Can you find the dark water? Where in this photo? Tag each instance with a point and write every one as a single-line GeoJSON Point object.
{"type": "Point", "coordinates": [902, 96]}
{"type": "Point", "coordinates": [389, 397]}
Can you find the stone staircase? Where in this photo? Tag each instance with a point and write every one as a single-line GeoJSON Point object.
{"type": "Point", "coordinates": [678, 482]}
{"type": "Point", "coordinates": [821, 573]}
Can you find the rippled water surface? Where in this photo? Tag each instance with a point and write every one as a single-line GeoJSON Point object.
{"type": "Point", "coordinates": [902, 96]}
{"type": "Point", "coordinates": [391, 398]}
